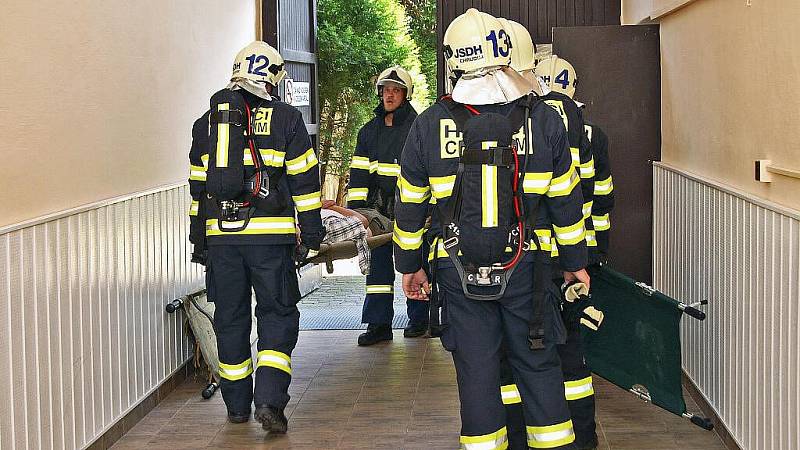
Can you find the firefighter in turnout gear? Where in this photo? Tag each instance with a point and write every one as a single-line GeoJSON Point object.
{"type": "Point", "coordinates": [253, 171]}
{"type": "Point", "coordinates": [373, 180]}
{"type": "Point", "coordinates": [497, 205]}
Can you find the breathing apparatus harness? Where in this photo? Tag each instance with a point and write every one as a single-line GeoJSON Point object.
{"type": "Point", "coordinates": [255, 190]}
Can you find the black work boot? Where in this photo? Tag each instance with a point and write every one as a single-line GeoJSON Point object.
{"type": "Point", "coordinates": [415, 330]}
{"type": "Point", "coordinates": [375, 334]}
{"type": "Point", "coordinates": [238, 417]}
{"type": "Point", "coordinates": [272, 419]}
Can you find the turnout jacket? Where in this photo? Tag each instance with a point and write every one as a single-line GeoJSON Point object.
{"type": "Point", "coordinates": [428, 170]}
{"type": "Point", "coordinates": [285, 147]}
{"type": "Point", "coordinates": [603, 200]}
{"type": "Point", "coordinates": [579, 147]}
{"type": "Point", "coordinates": [376, 160]}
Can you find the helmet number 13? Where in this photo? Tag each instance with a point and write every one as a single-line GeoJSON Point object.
{"type": "Point", "coordinates": [563, 78]}
{"type": "Point", "coordinates": [502, 47]}
{"type": "Point", "coordinates": [256, 60]}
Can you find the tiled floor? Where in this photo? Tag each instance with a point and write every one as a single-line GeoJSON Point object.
{"type": "Point", "coordinates": [397, 395]}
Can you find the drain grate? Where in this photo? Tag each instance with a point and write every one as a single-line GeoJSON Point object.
{"type": "Point", "coordinates": [344, 317]}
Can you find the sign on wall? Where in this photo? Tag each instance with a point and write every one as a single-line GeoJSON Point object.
{"type": "Point", "coordinates": [297, 93]}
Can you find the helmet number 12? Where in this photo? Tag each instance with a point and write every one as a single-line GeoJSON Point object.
{"type": "Point", "coordinates": [563, 78]}
{"type": "Point", "coordinates": [500, 48]}
{"type": "Point", "coordinates": [255, 60]}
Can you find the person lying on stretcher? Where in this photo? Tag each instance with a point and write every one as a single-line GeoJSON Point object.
{"type": "Point", "coordinates": [342, 224]}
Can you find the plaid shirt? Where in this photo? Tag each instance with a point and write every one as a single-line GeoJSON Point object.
{"type": "Point", "coordinates": [340, 228]}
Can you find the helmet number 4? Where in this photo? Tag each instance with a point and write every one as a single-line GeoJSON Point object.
{"type": "Point", "coordinates": [256, 60]}
{"type": "Point", "coordinates": [502, 47]}
{"type": "Point", "coordinates": [563, 79]}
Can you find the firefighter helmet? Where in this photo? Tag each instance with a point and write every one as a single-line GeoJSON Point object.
{"type": "Point", "coordinates": [259, 62]}
{"type": "Point", "coordinates": [558, 74]}
{"type": "Point", "coordinates": [523, 55]}
{"type": "Point", "coordinates": [396, 75]}
{"type": "Point", "coordinates": [475, 42]}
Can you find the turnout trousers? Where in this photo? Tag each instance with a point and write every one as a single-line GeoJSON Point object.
{"type": "Point", "coordinates": [474, 333]}
{"type": "Point", "coordinates": [237, 271]}
{"type": "Point", "coordinates": [378, 302]}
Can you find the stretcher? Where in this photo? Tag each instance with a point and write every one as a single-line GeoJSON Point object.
{"type": "Point", "coordinates": [638, 346]}
{"type": "Point", "coordinates": [328, 253]}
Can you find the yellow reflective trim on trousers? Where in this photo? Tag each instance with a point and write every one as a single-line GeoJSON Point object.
{"type": "Point", "coordinates": [570, 235]}
{"type": "Point", "coordinates": [587, 209]}
{"type": "Point", "coordinates": [360, 162]}
{"type": "Point", "coordinates": [204, 158]}
{"type": "Point", "coordinates": [257, 225]}
{"type": "Point", "coordinates": [380, 289]}
{"type": "Point", "coordinates": [356, 194]}
{"type": "Point", "coordinates": [587, 169]}
{"type": "Point", "coordinates": [270, 157]}
{"type": "Point", "coordinates": [410, 193]}
{"type": "Point", "coordinates": [194, 208]}
{"type": "Point", "coordinates": [510, 394]}
{"type": "Point", "coordinates": [492, 441]}
{"type": "Point", "coordinates": [603, 187]}
{"type": "Point", "coordinates": [578, 389]}
{"type": "Point", "coordinates": [551, 436]}
{"type": "Point", "coordinates": [536, 182]}
{"type": "Point", "coordinates": [407, 240]}
{"type": "Point", "coordinates": [307, 202]}
{"type": "Point", "coordinates": [388, 169]}
{"type": "Point", "coordinates": [575, 154]}
{"type": "Point", "coordinates": [197, 173]}
{"type": "Point", "coordinates": [223, 138]}
{"type": "Point", "coordinates": [591, 238]}
{"type": "Point", "coordinates": [489, 196]}
{"type": "Point", "coordinates": [442, 187]}
{"type": "Point", "coordinates": [302, 163]}
{"type": "Point", "coordinates": [601, 223]}
{"type": "Point", "coordinates": [275, 359]}
{"type": "Point", "coordinates": [564, 184]}
{"type": "Point", "coordinates": [235, 372]}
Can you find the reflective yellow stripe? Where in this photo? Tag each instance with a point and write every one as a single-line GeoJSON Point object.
{"type": "Point", "coordinates": [536, 183]}
{"type": "Point", "coordinates": [360, 162]}
{"type": "Point", "coordinates": [307, 202]}
{"type": "Point", "coordinates": [302, 163]}
{"type": "Point", "coordinates": [223, 138]}
{"type": "Point", "coordinates": [601, 223]}
{"type": "Point", "coordinates": [591, 239]}
{"type": "Point", "coordinates": [380, 289]}
{"type": "Point", "coordinates": [194, 208]}
{"type": "Point", "coordinates": [510, 394]}
{"type": "Point", "coordinates": [578, 389]}
{"type": "Point", "coordinates": [257, 225]}
{"type": "Point", "coordinates": [554, 251]}
{"type": "Point", "coordinates": [570, 235]}
{"type": "Point", "coordinates": [545, 240]}
{"type": "Point", "coordinates": [235, 372]}
{"type": "Point", "coordinates": [388, 169]}
{"type": "Point", "coordinates": [442, 187]}
{"type": "Point", "coordinates": [551, 436]}
{"type": "Point", "coordinates": [587, 209]}
{"type": "Point", "coordinates": [356, 194]}
{"type": "Point", "coordinates": [492, 441]}
{"type": "Point", "coordinates": [275, 359]}
{"type": "Point", "coordinates": [489, 196]}
{"type": "Point", "coordinates": [407, 240]}
{"type": "Point", "coordinates": [603, 187]}
{"type": "Point", "coordinates": [197, 173]}
{"type": "Point", "coordinates": [575, 154]}
{"type": "Point", "coordinates": [269, 156]}
{"type": "Point", "coordinates": [410, 193]}
{"type": "Point", "coordinates": [587, 169]}
{"type": "Point", "coordinates": [204, 158]}
{"type": "Point", "coordinates": [563, 185]}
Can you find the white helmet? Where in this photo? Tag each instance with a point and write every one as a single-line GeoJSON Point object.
{"type": "Point", "coordinates": [258, 62]}
{"type": "Point", "coordinates": [475, 42]}
{"type": "Point", "coordinates": [523, 57]}
{"type": "Point", "coordinates": [558, 74]}
{"type": "Point", "coordinates": [396, 75]}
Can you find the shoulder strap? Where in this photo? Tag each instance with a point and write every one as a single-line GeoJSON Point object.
{"type": "Point", "coordinates": [457, 111]}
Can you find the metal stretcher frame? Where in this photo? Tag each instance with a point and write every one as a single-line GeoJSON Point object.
{"type": "Point", "coordinates": [638, 346]}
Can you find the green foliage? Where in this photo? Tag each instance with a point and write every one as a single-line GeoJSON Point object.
{"type": "Point", "coordinates": [357, 39]}
{"type": "Point", "coordinates": [422, 24]}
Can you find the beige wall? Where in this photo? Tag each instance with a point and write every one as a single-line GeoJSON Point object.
{"type": "Point", "coordinates": [97, 97]}
{"type": "Point", "coordinates": [730, 76]}
{"type": "Point", "coordinates": [635, 11]}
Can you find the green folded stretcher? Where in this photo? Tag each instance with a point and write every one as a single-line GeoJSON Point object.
{"type": "Point", "coordinates": [638, 346]}
{"type": "Point", "coordinates": [328, 253]}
